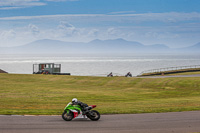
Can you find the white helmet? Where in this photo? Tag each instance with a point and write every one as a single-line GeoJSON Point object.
{"type": "Point", "coordinates": [74, 100]}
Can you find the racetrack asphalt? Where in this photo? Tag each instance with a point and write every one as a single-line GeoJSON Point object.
{"type": "Point", "coordinates": [173, 122]}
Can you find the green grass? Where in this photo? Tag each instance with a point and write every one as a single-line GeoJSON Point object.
{"type": "Point", "coordinates": [185, 73]}
{"type": "Point", "coordinates": [49, 94]}
{"type": "Point", "coordinates": [176, 74]}
{"type": "Point", "coordinates": [188, 71]}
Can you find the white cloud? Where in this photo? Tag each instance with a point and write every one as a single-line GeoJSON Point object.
{"type": "Point", "coordinates": [93, 32]}
{"type": "Point", "coordinates": [34, 29]}
{"type": "Point", "coordinates": [51, 16]}
{"type": "Point", "coordinates": [65, 25]}
{"type": "Point", "coordinates": [122, 12]}
{"type": "Point", "coordinates": [4, 35]}
{"type": "Point", "coordinates": [170, 17]}
{"type": "Point", "coordinates": [60, 0]}
{"type": "Point", "coordinates": [148, 28]}
{"type": "Point", "coordinates": [67, 29]}
{"type": "Point", "coordinates": [14, 4]}
{"type": "Point", "coordinates": [161, 35]}
{"type": "Point", "coordinates": [9, 8]}
{"type": "Point", "coordinates": [112, 31]}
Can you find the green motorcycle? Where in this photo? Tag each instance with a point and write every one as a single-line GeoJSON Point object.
{"type": "Point", "coordinates": [75, 111]}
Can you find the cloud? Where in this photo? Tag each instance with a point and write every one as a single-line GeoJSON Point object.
{"type": "Point", "coordinates": [169, 17]}
{"type": "Point", "coordinates": [122, 12]}
{"type": "Point", "coordinates": [9, 8]}
{"type": "Point", "coordinates": [51, 16]}
{"type": "Point", "coordinates": [112, 31]}
{"type": "Point", "coordinates": [7, 34]}
{"type": "Point", "coordinates": [65, 25]}
{"type": "Point", "coordinates": [15, 4]}
{"type": "Point", "coordinates": [93, 32]}
{"type": "Point", "coordinates": [161, 35]}
{"type": "Point", "coordinates": [60, 0]}
{"type": "Point", "coordinates": [8, 37]}
{"type": "Point", "coordinates": [34, 29]}
{"type": "Point", "coordinates": [67, 29]}
{"type": "Point", "coordinates": [148, 28]}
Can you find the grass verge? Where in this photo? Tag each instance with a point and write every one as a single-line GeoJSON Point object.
{"type": "Point", "coordinates": [184, 73]}
{"type": "Point", "coordinates": [174, 72]}
{"type": "Point", "coordinates": [49, 94]}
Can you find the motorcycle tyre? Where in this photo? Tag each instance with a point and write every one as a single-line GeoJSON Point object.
{"type": "Point", "coordinates": [92, 118]}
{"type": "Point", "coordinates": [64, 118]}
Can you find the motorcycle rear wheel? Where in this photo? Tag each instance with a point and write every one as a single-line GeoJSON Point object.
{"type": "Point", "coordinates": [93, 115]}
{"type": "Point", "coordinates": [67, 116]}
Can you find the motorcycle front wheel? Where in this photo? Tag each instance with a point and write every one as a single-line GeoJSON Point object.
{"type": "Point", "coordinates": [67, 116]}
{"type": "Point", "coordinates": [93, 115]}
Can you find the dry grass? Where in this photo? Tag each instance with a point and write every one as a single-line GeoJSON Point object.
{"type": "Point", "coordinates": [49, 94]}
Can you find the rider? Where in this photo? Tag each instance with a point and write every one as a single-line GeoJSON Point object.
{"type": "Point", "coordinates": [128, 74]}
{"type": "Point", "coordinates": [110, 75]}
{"type": "Point", "coordinates": [84, 106]}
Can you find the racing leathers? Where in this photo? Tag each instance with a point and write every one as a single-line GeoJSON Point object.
{"type": "Point", "coordinates": [84, 106]}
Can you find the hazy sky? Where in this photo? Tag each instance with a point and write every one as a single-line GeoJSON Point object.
{"type": "Point", "coordinates": [175, 23]}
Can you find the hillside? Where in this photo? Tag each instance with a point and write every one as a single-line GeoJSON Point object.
{"type": "Point", "coordinates": [194, 48]}
{"type": "Point", "coordinates": [116, 46]}
{"type": "Point", "coordinates": [49, 94]}
{"type": "Point", "coordinates": [95, 46]}
{"type": "Point", "coordinates": [2, 71]}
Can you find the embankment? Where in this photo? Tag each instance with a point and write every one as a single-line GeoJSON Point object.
{"type": "Point", "coordinates": [49, 94]}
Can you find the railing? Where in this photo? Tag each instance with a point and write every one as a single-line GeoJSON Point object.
{"type": "Point", "coordinates": [160, 70]}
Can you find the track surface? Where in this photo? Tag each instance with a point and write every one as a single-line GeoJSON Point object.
{"type": "Point", "coordinates": [177, 122]}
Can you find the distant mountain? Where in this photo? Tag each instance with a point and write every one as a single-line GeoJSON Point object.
{"type": "Point", "coordinates": [160, 46]}
{"type": "Point", "coordinates": [115, 46]}
{"type": "Point", "coordinates": [45, 46]}
{"type": "Point", "coordinates": [49, 46]}
{"type": "Point", "coordinates": [193, 48]}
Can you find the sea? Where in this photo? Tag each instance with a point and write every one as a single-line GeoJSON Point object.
{"type": "Point", "coordinates": [97, 65]}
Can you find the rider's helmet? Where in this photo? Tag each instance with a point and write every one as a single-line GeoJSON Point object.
{"type": "Point", "coordinates": [74, 100]}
